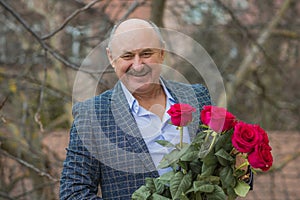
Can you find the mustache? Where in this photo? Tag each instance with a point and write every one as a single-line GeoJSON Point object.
{"type": "Point", "coordinates": [145, 70]}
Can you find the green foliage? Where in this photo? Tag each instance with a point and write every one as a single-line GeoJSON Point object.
{"type": "Point", "coordinates": [202, 170]}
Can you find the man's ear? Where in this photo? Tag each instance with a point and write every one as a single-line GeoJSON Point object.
{"type": "Point", "coordinates": [109, 56]}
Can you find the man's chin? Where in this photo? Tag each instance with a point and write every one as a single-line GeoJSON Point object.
{"type": "Point", "coordinates": [139, 86]}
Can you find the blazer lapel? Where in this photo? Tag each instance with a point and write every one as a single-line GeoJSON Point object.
{"type": "Point", "coordinates": [183, 93]}
{"type": "Point", "coordinates": [125, 121]}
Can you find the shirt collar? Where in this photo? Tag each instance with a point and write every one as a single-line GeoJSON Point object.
{"type": "Point", "coordinates": [133, 102]}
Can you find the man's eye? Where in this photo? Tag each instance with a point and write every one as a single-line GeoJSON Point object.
{"type": "Point", "coordinates": [127, 56]}
{"type": "Point", "coordinates": [146, 54]}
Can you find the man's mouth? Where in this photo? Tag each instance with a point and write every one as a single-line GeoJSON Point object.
{"type": "Point", "coordinates": [139, 73]}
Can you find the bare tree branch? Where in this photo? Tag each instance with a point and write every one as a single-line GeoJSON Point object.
{"type": "Point", "coordinates": [5, 195]}
{"type": "Point", "coordinates": [41, 186]}
{"type": "Point", "coordinates": [37, 116]}
{"type": "Point", "coordinates": [132, 7]}
{"type": "Point", "coordinates": [244, 67]}
{"type": "Point", "coordinates": [44, 45]}
{"type": "Point", "coordinates": [3, 102]}
{"type": "Point", "coordinates": [246, 31]}
{"type": "Point", "coordinates": [68, 19]}
{"type": "Point", "coordinates": [31, 80]}
{"type": "Point", "coordinates": [260, 90]}
{"type": "Point", "coordinates": [28, 165]}
{"type": "Point", "coordinates": [157, 12]}
{"type": "Point", "coordinates": [286, 33]}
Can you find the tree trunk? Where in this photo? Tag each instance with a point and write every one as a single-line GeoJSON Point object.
{"type": "Point", "coordinates": [157, 12]}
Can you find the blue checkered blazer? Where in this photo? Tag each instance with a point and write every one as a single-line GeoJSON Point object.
{"type": "Point", "coordinates": [106, 149]}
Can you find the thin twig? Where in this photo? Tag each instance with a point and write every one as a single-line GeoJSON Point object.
{"type": "Point", "coordinates": [37, 115]}
{"type": "Point", "coordinates": [246, 31]}
{"type": "Point", "coordinates": [4, 195]}
{"type": "Point", "coordinates": [31, 80]}
{"type": "Point", "coordinates": [68, 19]}
{"type": "Point", "coordinates": [28, 165]}
{"type": "Point", "coordinates": [244, 67]}
{"type": "Point", "coordinates": [40, 186]}
{"type": "Point", "coordinates": [44, 45]}
{"type": "Point", "coordinates": [132, 7]}
{"type": "Point", "coordinates": [3, 102]}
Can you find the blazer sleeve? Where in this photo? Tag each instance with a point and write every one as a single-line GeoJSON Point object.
{"type": "Point", "coordinates": [81, 171]}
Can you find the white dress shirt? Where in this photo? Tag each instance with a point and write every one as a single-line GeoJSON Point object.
{"type": "Point", "coordinates": [153, 128]}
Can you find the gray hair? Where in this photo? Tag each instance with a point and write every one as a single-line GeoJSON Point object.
{"type": "Point", "coordinates": [156, 29]}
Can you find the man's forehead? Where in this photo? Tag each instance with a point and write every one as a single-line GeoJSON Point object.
{"type": "Point", "coordinates": [130, 40]}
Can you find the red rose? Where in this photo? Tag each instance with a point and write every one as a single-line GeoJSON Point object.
{"type": "Point", "coordinates": [181, 114]}
{"type": "Point", "coordinates": [245, 137]}
{"type": "Point", "coordinates": [262, 134]}
{"type": "Point", "coordinates": [261, 157]}
{"type": "Point", "coordinates": [217, 118]}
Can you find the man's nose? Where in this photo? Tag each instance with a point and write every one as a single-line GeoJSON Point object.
{"type": "Point", "coordinates": [137, 62]}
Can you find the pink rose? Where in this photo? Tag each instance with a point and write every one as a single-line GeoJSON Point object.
{"type": "Point", "coordinates": [245, 137]}
{"type": "Point", "coordinates": [261, 157]}
{"type": "Point", "coordinates": [217, 118]}
{"type": "Point", "coordinates": [181, 114]}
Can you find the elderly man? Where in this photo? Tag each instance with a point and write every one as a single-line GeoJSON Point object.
{"type": "Point", "coordinates": [112, 145]}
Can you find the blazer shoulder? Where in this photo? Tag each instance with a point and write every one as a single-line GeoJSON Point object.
{"type": "Point", "coordinates": [202, 94]}
{"type": "Point", "coordinates": [184, 89]}
{"type": "Point", "coordinates": [92, 103]}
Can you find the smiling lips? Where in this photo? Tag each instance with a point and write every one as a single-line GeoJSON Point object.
{"type": "Point", "coordinates": [144, 71]}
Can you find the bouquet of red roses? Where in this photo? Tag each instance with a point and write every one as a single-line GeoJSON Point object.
{"type": "Point", "coordinates": [217, 163]}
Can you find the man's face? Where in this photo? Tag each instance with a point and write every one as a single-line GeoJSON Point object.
{"type": "Point", "coordinates": [136, 56]}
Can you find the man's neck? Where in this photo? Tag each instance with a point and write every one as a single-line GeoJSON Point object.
{"type": "Point", "coordinates": [154, 100]}
{"type": "Point", "coordinates": [153, 92]}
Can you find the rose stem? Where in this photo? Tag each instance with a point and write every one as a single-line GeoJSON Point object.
{"type": "Point", "coordinates": [181, 136]}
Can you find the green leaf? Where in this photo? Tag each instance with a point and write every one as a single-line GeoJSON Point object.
{"type": "Point", "coordinates": [159, 186]}
{"type": "Point", "coordinates": [184, 197]}
{"type": "Point", "coordinates": [165, 143]}
{"type": "Point", "coordinates": [166, 177]}
{"type": "Point", "coordinates": [210, 158]}
{"type": "Point", "coordinates": [242, 189]}
{"type": "Point", "coordinates": [200, 187]}
{"type": "Point", "coordinates": [159, 197]}
{"type": "Point", "coordinates": [196, 166]}
{"type": "Point", "coordinates": [198, 196]}
{"type": "Point", "coordinates": [224, 141]}
{"type": "Point", "coordinates": [217, 194]}
{"type": "Point", "coordinates": [209, 179]}
{"type": "Point", "coordinates": [169, 159]}
{"type": "Point", "coordinates": [179, 184]}
{"type": "Point", "coordinates": [231, 194]}
{"type": "Point", "coordinates": [227, 178]}
{"type": "Point", "coordinates": [173, 157]}
{"type": "Point", "coordinates": [190, 155]}
{"type": "Point", "coordinates": [183, 165]}
{"type": "Point", "coordinates": [149, 182]}
{"type": "Point", "coordinates": [142, 193]}
{"type": "Point", "coordinates": [225, 155]}
{"type": "Point", "coordinates": [208, 169]}
{"type": "Point", "coordinates": [199, 139]}
{"type": "Point", "coordinates": [207, 145]}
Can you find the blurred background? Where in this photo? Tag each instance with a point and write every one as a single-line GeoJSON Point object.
{"type": "Point", "coordinates": [254, 44]}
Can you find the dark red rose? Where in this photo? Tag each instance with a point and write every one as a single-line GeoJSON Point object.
{"type": "Point", "coordinates": [245, 137]}
{"type": "Point", "coordinates": [261, 157]}
{"type": "Point", "coordinates": [262, 134]}
{"type": "Point", "coordinates": [217, 118]}
{"type": "Point", "coordinates": [181, 114]}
